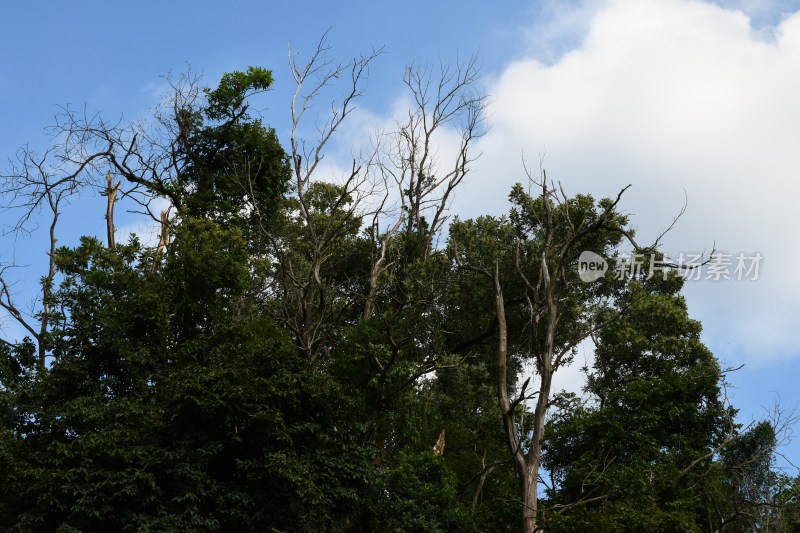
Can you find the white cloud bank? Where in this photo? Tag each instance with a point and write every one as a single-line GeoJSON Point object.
{"type": "Point", "coordinates": [672, 95]}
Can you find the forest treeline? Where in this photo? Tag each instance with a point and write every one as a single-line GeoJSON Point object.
{"type": "Point", "coordinates": [305, 353]}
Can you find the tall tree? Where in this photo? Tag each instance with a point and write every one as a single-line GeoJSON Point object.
{"type": "Point", "coordinates": [637, 456]}
{"type": "Point", "coordinates": [551, 312]}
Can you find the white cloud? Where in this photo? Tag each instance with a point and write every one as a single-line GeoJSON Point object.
{"type": "Point", "coordinates": [670, 95]}
{"type": "Point", "coordinates": [560, 23]}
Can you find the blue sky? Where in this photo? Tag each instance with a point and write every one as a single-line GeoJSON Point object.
{"type": "Point", "coordinates": [667, 95]}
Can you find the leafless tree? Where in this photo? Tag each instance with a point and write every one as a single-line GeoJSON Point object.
{"type": "Point", "coordinates": [84, 148]}
{"type": "Point", "coordinates": [307, 309]}
{"type": "Point", "coordinates": [393, 186]}
{"type": "Point", "coordinates": [32, 184]}
{"type": "Point", "coordinates": [447, 105]}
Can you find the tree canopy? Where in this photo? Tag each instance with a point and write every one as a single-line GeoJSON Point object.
{"type": "Point", "coordinates": [305, 354]}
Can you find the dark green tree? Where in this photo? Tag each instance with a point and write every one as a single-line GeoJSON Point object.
{"type": "Point", "coordinates": [172, 401]}
{"type": "Point", "coordinates": [655, 447]}
{"type": "Point", "coordinates": [234, 169]}
{"type": "Point", "coordinates": [656, 387]}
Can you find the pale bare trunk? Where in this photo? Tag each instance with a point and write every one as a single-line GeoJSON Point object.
{"type": "Point", "coordinates": [530, 501]}
{"type": "Point", "coordinates": [527, 467]}
{"type": "Point", "coordinates": [111, 191]}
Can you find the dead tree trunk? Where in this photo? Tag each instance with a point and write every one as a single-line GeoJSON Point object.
{"type": "Point", "coordinates": [163, 239]}
{"type": "Point", "coordinates": [111, 192]}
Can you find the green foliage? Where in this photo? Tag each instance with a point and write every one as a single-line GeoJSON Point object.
{"type": "Point", "coordinates": [234, 168]}
{"type": "Point", "coordinates": [640, 454]}
{"type": "Point", "coordinates": [237, 383]}
{"type": "Point", "coordinates": [174, 405]}
{"type": "Point", "coordinates": [228, 99]}
{"type": "Point", "coordinates": [422, 497]}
